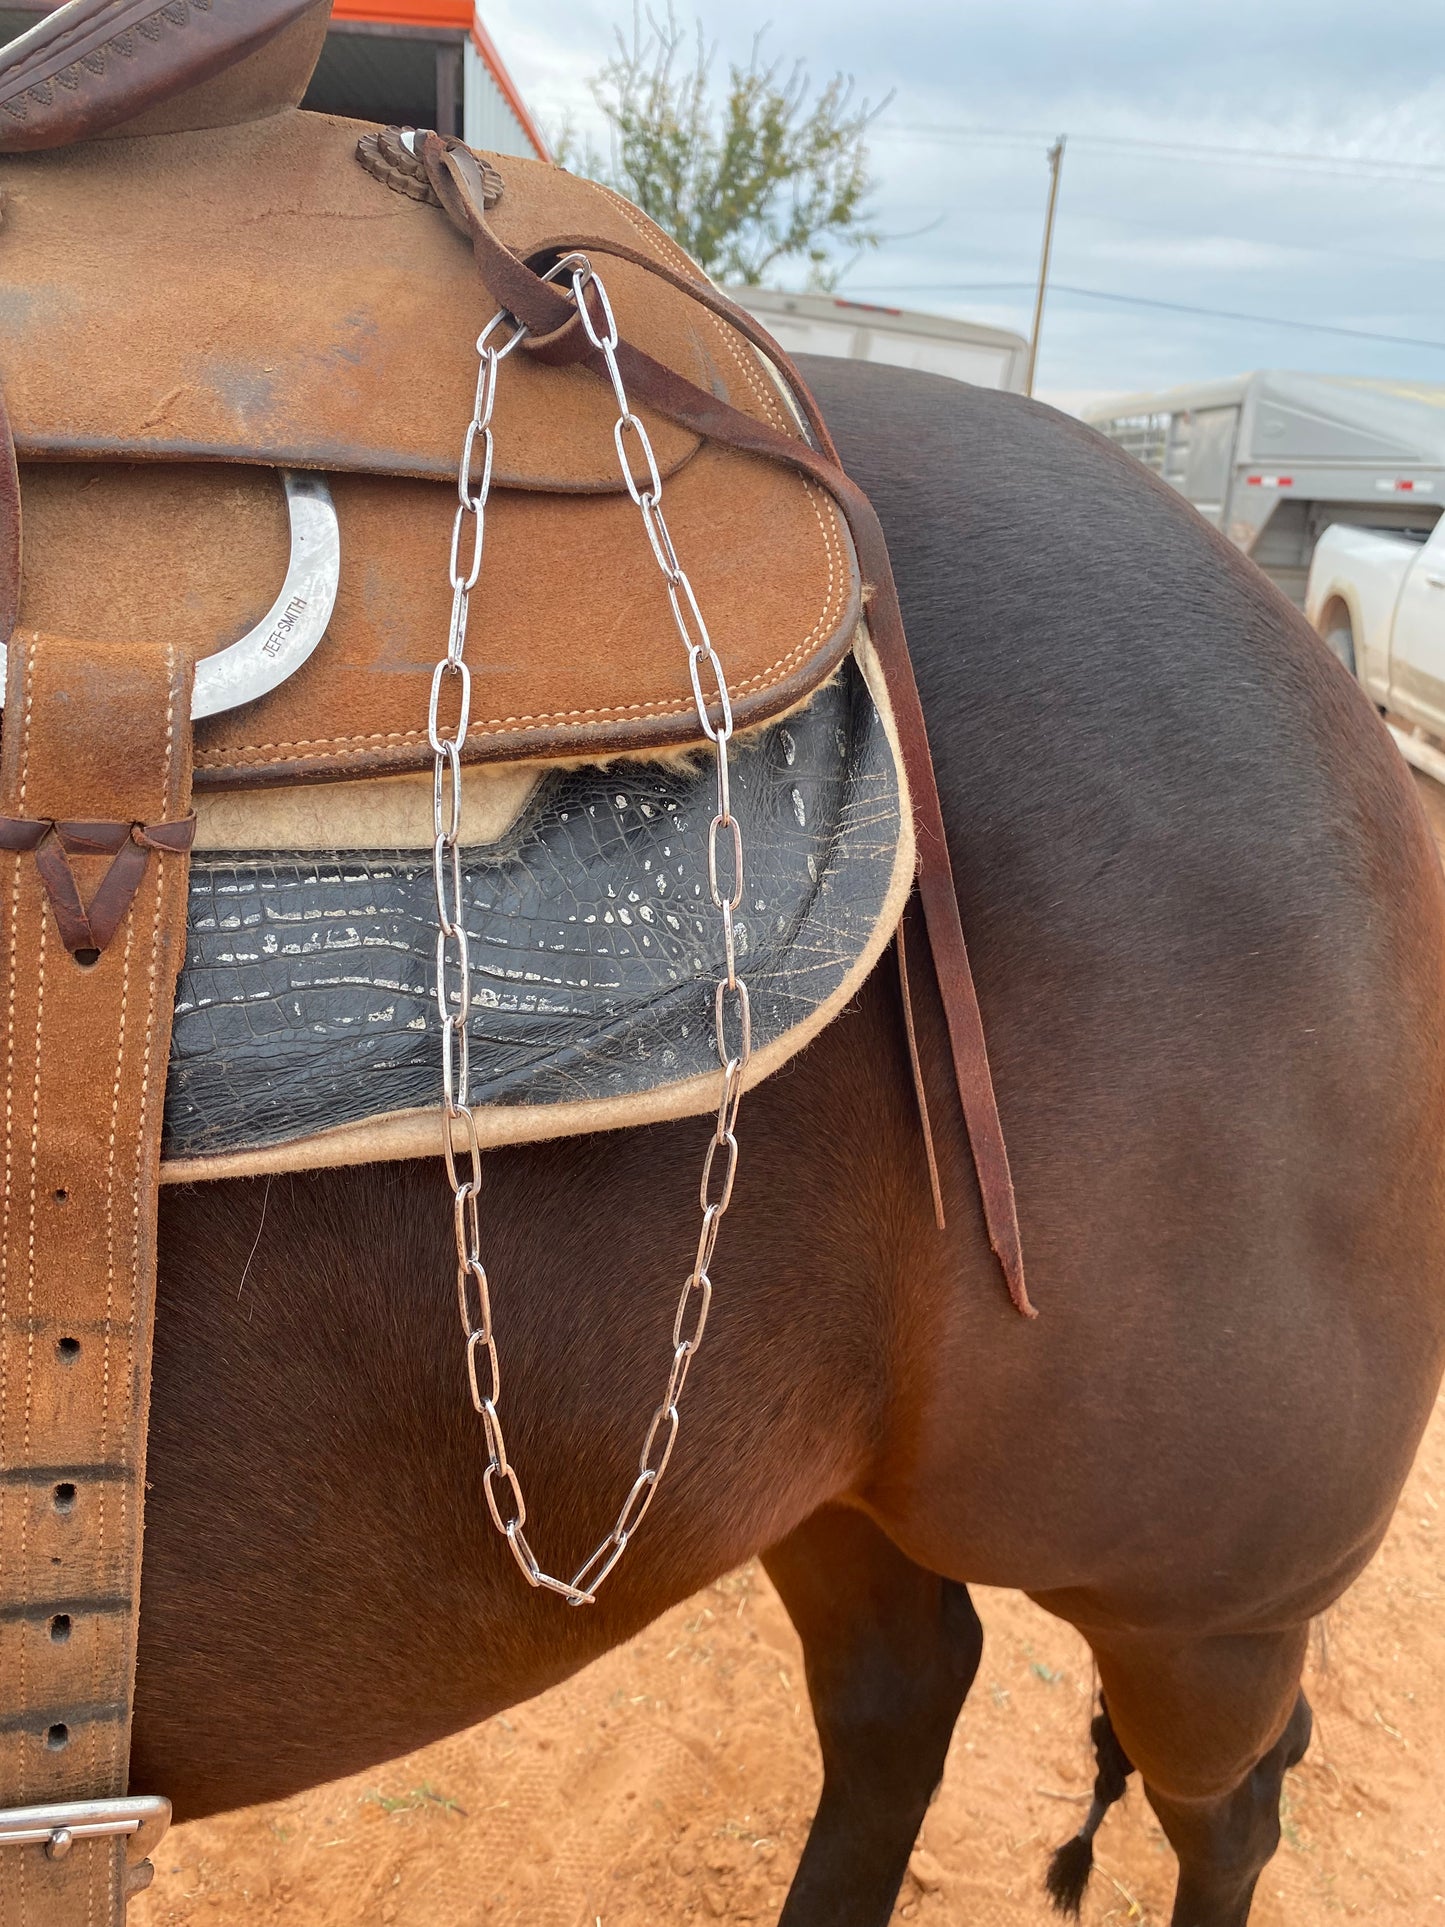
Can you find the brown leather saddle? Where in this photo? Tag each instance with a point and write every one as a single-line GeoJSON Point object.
{"type": "Point", "coordinates": [200, 288]}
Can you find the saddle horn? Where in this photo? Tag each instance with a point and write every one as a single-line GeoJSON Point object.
{"type": "Point", "coordinates": [98, 67]}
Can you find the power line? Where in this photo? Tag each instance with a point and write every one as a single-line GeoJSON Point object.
{"type": "Point", "coordinates": [1301, 160]}
{"type": "Point", "coordinates": [1199, 150]}
{"type": "Point", "coordinates": [1005, 213]}
{"type": "Point", "coordinates": [1145, 301]}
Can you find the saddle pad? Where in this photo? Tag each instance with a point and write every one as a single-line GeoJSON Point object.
{"type": "Point", "coordinates": [325, 322]}
{"type": "Point", "coordinates": [306, 1028]}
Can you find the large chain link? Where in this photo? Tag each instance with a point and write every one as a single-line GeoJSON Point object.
{"type": "Point", "coordinates": [732, 1011]}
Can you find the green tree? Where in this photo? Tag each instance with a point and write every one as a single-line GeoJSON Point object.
{"type": "Point", "coordinates": [746, 178]}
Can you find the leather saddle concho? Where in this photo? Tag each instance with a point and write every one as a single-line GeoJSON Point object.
{"type": "Point", "coordinates": [205, 786]}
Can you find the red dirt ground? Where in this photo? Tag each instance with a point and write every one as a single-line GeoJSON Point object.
{"type": "Point", "coordinates": [674, 1782]}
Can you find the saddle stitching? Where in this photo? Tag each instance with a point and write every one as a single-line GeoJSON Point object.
{"type": "Point", "coordinates": [25, 1565]}
{"type": "Point", "coordinates": [11, 936]}
{"type": "Point", "coordinates": [9, 1117]}
{"type": "Point", "coordinates": [110, 1292]}
{"type": "Point", "coordinates": [135, 1323]}
{"type": "Point", "coordinates": [319, 747]}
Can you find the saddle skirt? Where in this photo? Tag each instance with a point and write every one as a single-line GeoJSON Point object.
{"type": "Point", "coordinates": [326, 323]}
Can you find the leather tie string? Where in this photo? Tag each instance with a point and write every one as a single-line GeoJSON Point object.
{"type": "Point", "coordinates": [90, 927]}
{"type": "Point", "coordinates": [555, 335]}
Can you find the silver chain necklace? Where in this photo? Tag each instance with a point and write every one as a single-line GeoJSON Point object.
{"type": "Point", "coordinates": [732, 1011]}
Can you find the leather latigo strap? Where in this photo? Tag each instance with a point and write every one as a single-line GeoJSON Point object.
{"type": "Point", "coordinates": [555, 334]}
{"type": "Point", "coordinates": [95, 740]}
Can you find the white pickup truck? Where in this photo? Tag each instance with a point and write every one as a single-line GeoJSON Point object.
{"type": "Point", "coordinates": [1378, 599]}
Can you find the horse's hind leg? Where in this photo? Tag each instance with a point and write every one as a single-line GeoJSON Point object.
{"type": "Point", "coordinates": [890, 1652]}
{"type": "Point", "coordinates": [1211, 1725]}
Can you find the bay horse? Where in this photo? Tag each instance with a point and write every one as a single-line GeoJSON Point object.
{"type": "Point", "coordinates": [1206, 924]}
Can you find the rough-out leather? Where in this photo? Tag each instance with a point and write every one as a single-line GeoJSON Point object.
{"type": "Point", "coordinates": [575, 658]}
{"type": "Point", "coordinates": [100, 733]}
{"type": "Point", "coordinates": [94, 64]}
{"type": "Point", "coordinates": [325, 321]}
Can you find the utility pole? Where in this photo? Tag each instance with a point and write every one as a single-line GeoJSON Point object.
{"type": "Point", "coordinates": [1056, 161]}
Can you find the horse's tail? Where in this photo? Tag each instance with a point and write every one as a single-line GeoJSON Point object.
{"type": "Point", "coordinates": [1072, 1864]}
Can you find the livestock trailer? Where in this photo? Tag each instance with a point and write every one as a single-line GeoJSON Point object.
{"type": "Point", "coordinates": [1274, 458]}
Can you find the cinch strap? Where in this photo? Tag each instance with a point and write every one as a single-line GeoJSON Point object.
{"type": "Point", "coordinates": [95, 770]}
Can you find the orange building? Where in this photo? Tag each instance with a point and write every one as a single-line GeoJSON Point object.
{"type": "Point", "coordinates": [423, 63]}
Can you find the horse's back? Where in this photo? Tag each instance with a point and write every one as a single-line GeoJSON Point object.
{"type": "Point", "coordinates": [1206, 918]}
{"type": "Point", "coordinates": [1120, 681]}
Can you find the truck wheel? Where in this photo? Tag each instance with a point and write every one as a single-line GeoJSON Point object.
{"type": "Point", "coordinates": [1340, 640]}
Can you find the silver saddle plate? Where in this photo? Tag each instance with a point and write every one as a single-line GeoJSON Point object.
{"type": "Point", "coordinates": [307, 1030]}
{"type": "Point", "coordinates": [292, 627]}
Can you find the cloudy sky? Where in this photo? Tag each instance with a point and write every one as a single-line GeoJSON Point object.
{"type": "Point", "coordinates": [1335, 217]}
